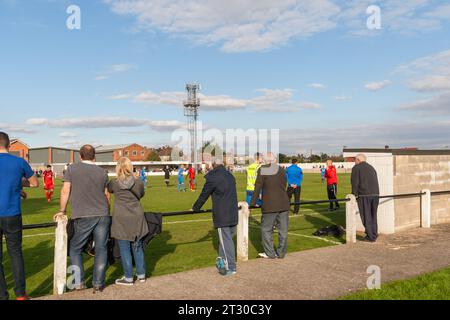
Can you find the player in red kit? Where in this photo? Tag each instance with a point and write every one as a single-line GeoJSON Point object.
{"type": "Point", "coordinates": [49, 184]}
{"type": "Point", "coordinates": [191, 175]}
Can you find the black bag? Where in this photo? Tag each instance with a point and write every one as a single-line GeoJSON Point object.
{"type": "Point", "coordinates": [333, 230]}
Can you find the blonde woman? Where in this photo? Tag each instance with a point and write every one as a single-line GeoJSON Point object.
{"type": "Point", "coordinates": [128, 223]}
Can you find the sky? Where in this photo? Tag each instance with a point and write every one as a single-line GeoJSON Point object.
{"type": "Point", "coordinates": [322, 72]}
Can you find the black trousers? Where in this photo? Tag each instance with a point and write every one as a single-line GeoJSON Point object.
{"type": "Point", "coordinates": [296, 192]}
{"type": "Point", "coordinates": [332, 194]}
{"type": "Point", "coordinates": [368, 207]}
{"type": "Point", "coordinates": [11, 227]}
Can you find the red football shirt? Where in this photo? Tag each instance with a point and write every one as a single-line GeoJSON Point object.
{"type": "Point", "coordinates": [48, 177]}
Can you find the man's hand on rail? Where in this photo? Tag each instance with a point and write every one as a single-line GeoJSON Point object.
{"type": "Point", "coordinates": [58, 215]}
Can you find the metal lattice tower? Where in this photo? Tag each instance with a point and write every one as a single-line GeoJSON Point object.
{"type": "Point", "coordinates": [191, 106]}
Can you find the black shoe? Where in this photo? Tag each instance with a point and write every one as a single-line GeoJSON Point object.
{"type": "Point", "coordinates": [367, 239]}
{"type": "Point", "coordinates": [98, 289]}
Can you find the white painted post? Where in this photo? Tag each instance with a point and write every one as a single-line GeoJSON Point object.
{"type": "Point", "coordinates": [60, 263]}
{"type": "Point", "coordinates": [351, 210]}
{"type": "Point", "coordinates": [242, 232]}
{"type": "Point", "coordinates": [425, 210]}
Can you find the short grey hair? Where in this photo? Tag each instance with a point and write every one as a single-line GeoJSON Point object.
{"type": "Point", "coordinates": [269, 157]}
{"type": "Point", "coordinates": [218, 161]}
{"type": "Point", "coordinates": [361, 157]}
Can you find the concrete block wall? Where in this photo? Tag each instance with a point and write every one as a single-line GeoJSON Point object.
{"type": "Point", "coordinates": [412, 173]}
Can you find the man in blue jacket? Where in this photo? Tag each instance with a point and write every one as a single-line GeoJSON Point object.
{"type": "Point", "coordinates": [15, 174]}
{"type": "Point", "coordinates": [294, 177]}
{"type": "Point", "coordinates": [221, 186]}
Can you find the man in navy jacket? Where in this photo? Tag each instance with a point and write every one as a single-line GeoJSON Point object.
{"type": "Point", "coordinates": [221, 186]}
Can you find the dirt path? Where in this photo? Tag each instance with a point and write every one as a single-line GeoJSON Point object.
{"type": "Point", "coordinates": [325, 273]}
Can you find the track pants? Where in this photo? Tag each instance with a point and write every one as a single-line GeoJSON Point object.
{"type": "Point", "coordinates": [332, 194]}
{"type": "Point", "coordinates": [368, 207]}
{"type": "Point", "coordinates": [269, 221]}
{"type": "Point", "coordinates": [296, 192]}
{"type": "Point", "coordinates": [226, 247]}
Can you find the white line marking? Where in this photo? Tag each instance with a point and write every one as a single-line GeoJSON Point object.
{"type": "Point", "coordinates": [313, 237]}
{"type": "Point", "coordinates": [38, 235]}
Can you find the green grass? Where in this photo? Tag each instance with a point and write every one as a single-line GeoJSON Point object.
{"type": "Point", "coordinates": [187, 242]}
{"type": "Point", "coordinates": [431, 286]}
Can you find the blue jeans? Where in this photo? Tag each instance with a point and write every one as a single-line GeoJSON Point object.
{"type": "Point", "coordinates": [83, 228]}
{"type": "Point", "coordinates": [127, 248]}
{"type": "Point", "coordinates": [11, 227]}
{"type": "Point", "coordinates": [249, 198]}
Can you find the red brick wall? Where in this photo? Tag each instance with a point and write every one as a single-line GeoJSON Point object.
{"type": "Point", "coordinates": [21, 149]}
{"type": "Point", "coordinates": [134, 152]}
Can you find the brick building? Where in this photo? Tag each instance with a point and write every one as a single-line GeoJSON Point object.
{"type": "Point", "coordinates": [19, 149]}
{"type": "Point", "coordinates": [134, 152]}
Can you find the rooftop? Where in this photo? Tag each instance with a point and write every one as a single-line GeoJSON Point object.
{"type": "Point", "coordinates": [402, 151]}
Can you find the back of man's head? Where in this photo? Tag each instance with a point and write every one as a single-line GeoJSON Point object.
{"type": "Point", "coordinates": [294, 161]}
{"type": "Point", "coordinates": [4, 141]}
{"type": "Point", "coordinates": [361, 158]}
{"type": "Point", "coordinates": [270, 158]}
{"type": "Point", "coordinates": [87, 153]}
{"type": "Point", "coordinates": [217, 162]}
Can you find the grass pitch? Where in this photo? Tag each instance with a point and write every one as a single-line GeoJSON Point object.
{"type": "Point", "coordinates": [186, 243]}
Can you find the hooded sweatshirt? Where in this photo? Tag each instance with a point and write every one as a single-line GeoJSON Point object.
{"type": "Point", "coordinates": [128, 222]}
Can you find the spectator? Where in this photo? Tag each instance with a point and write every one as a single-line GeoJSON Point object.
{"type": "Point", "coordinates": [271, 180]}
{"type": "Point", "coordinates": [129, 226]}
{"type": "Point", "coordinates": [221, 186]}
{"type": "Point", "coordinates": [332, 182]}
{"type": "Point", "coordinates": [252, 171]}
{"type": "Point", "coordinates": [16, 173]}
{"type": "Point", "coordinates": [294, 176]}
{"type": "Point", "coordinates": [365, 187]}
{"type": "Point", "coordinates": [86, 185]}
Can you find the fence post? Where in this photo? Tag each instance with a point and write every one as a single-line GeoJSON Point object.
{"type": "Point", "coordinates": [242, 232]}
{"type": "Point", "coordinates": [60, 263]}
{"type": "Point", "coordinates": [425, 210]}
{"type": "Point", "coordinates": [350, 219]}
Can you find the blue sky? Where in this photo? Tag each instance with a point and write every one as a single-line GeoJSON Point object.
{"type": "Point", "coordinates": [311, 69]}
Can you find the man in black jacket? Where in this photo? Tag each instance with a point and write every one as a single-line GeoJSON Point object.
{"type": "Point", "coordinates": [221, 186]}
{"type": "Point", "coordinates": [365, 188]}
{"type": "Point", "coordinates": [271, 180]}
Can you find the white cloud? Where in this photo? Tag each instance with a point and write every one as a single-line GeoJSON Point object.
{"type": "Point", "coordinates": [317, 86]}
{"type": "Point", "coordinates": [375, 86]}
{"type": "Point", "coordinates": [37, 121]}
{"type": "Point", "coordinates": [435, 105]}
{"type": "Point", "coordinates": [113, 69]}
{"type": "Point", "coordinates": [342, 98]}
{"type": "Point", "coordinates": [270, 100]}
{"type": "Point", "coordinates": [119, 97]}
{"type": "Point", "coordinates": [248, 25]}
{"type": "Point", "coordinates": [424, 135]}
{"type": "Point", "coordinates": [431, 83]}
{"type": "Point", "coordinates": [68, 134]}
{"type": "Point", "coordinates": [428, 74]}
{"type": "Point", "coordinates": [106, 122]}
{"type": "Point", "coordinates": [16, 128]}
{"type": "Point", "coordinates": [239, 26]}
